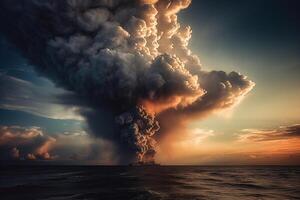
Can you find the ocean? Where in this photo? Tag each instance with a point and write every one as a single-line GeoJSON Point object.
{"type": "Point", "coordinates": [149, 182]}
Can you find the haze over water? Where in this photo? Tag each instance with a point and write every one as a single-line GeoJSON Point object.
{"type": "Point", "coordinates": [147, 183]}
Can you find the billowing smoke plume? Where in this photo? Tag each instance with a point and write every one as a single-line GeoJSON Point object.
{"type": "Point", "coordinates": [136, 129]}
{"type": "Point", "coordinates": [128, 60]}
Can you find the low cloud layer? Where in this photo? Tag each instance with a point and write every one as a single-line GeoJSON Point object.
{"type": "Point", "coordinates": [121, 57]}
{"type": "Point", "coordinates": [33, 143]}
{"type": "Point", "coordinates": [24, 143]}
{"type": "Point", "coordinates": [261, 135]}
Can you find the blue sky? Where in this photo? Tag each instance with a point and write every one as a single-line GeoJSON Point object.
{"type": "Point", "coordinates": [257, 38]}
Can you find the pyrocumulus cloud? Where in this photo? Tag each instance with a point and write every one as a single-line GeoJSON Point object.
{"type": "Point", "coordinates": [128, 60]}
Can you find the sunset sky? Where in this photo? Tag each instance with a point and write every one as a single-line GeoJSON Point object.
{"type": "Point", "coordinates": [259, 39]}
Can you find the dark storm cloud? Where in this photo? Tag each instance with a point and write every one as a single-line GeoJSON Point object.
{"type": "Point", "coordinates": [8, 55]}
{"type": "Point", "coordinates": [120, 58]}
{"type": "Point", "coordinates": [281, 133]}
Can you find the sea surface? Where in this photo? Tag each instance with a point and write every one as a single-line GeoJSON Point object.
{"type": "Point", "coordinates": [147, 183]}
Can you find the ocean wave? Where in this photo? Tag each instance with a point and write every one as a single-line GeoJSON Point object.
{"type": "Point", "coordinates": [160, 183]}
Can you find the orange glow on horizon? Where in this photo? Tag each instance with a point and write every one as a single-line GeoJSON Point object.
{"type": "Point", "coordinates": [189, 148]}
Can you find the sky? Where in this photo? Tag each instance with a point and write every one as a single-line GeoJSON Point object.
{"type": "Point", "coordinates": [260, 39]}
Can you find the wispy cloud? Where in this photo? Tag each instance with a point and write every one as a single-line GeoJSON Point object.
{"type": "Point", "coordinates": [42, 100]}
{"type": "Point", "coordinates": [260, 135]}
{"type": "Point", "coordinates": [198, 135]}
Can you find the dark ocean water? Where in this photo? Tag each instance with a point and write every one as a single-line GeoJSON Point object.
{"type": "Point", "coordinates": [147, 183]}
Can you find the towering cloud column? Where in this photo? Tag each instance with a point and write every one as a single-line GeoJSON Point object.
{"type": "Point", "coordinates": [127, 60]}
